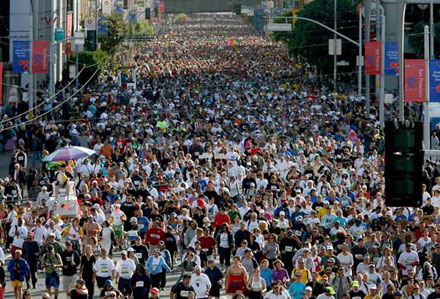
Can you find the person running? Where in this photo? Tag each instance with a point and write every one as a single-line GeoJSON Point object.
{"type": "Point", "coordinates": [236, 277]}
{"type": "Point", "coordinates": [18, 269]}
{"type": "Point", "coordinates": [103, 269]}
{"type": "Point", "coordinates": [125, 268]}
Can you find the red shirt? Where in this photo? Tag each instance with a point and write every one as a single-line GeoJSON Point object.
{"type": "Point", "coordinates": [221, 219]}
{"type": "Point", "coordinates": [207, 242]}
{"type": "Point", "coordinates": [154, 235]}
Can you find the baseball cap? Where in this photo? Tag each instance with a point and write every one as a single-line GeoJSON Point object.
{"type": "Point", "coordinates": [355, 283]}
{"type": "Point", "coordinates": [373, 287]}
{"type": "Point", "coordinates": [108, 282]}
{"type": "Point", "coordinates": [330, 289]}
{"type": "Point", "coordinates": [154, 291]}
{"type": "Point", "coordinates": [309, 288]}
{"type": "Point", "coordinates": [124, 252]}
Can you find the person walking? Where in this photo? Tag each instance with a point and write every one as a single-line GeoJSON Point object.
{"type": "Point", "coordinates": [31, 250]}
{"type": "Point", "coordinates": [155, 264]}
{"type": "Point", "coordinates": [86, 270]}
{"type": "Point", "coordinates": [125, 268]}
{"type": "Point", "coordinates": [51, 262]}
{"type": "Point", "coordinates": [71, 260]}
{"type": "Point", "coordinates": [140, 283]}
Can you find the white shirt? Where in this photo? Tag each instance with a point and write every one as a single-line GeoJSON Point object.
{"type": "Point", "coordinates": [125, 268]}
{"type": "Point", "coordinates": [283, 295]}
{"type": "Point", "coordinates": [40, 235]}
{"type": "Point", "coordinates": [407, 259]}
{"type": "Point", "coordinates": [201, 285]}
{"type": "Point", "coordinates": [104, 267]}
{"type": "Point", "coordinates": [22, 235]}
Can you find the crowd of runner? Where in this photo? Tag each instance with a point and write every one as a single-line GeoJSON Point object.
{"type": "Point", "coordinates": [230, 165]}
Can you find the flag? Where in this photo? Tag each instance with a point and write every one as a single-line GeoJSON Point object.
{"type": "Point", "coordinates": [373, 58]}
{"type": "Point", "coordinates": [391, 58]}
{"type": "Point", "coordinates": [414, 80]}
{"type": "Point", "coordinates": [434, 80]}
{"type": "Point", "coordinates": [102, 26]}
{"type": "Point", "coordinates": [118, 7]}
{"type": "Point", "coordinates": [21, 53]}
{"type": "Point", "coordinates": [40, 56]}
{"type": "Point", "coordinates": [107, 6]}
{"type": "Point", "coordinates": [69, 24]}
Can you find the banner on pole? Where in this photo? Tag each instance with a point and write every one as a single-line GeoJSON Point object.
{"type": "Point", "coordinates": [103, 26]}
{"type": "Point", "coordinates": [373, 58]}
{"type": "Point", "coordinates": [69, 24]}
{"type": "Point", "coordinates": [118, 7]}
{"type": "Point", "coordinates": [1, 83]}
{"type": "Point", "coordinates": [21, 54]}
{"type": "Point", "coordinates": [89, 24]}
{"type": "Point", "coordinates": [414, 80]}
{"type": "Point", "coordinates": [434, 80]}
{"type": "Point", "coordinates": [107, 6]}
{"type": "Point", "coordinates": [391, 58]}
{"type": "Point", "coordinates": [40, 56]}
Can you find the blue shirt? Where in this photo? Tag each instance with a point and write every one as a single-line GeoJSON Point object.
{"type": "Point", "coordinates": [296, 289]}
{"type": "Point", "coordinates": [267, 276]}
{"type": "Point", "coordinates": [143, 223]}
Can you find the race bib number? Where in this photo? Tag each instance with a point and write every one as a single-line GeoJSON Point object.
{"type": "Point", "coordinates": [141, 226]}
{"type": "Point", "coordinates": [139, 284]}
{"type": "Point", "coordinates": [138, 255]}
{"type": "Point", "coordinates": [104, 269]}
{"type": "Point", "coordinates": [124, 270]}
{"type": "Point", "coordinates": [184, 293]}
{"type": "Point", "coordinates": [289, 248]}
{"type": "Point", "coordinates": [298, 233]}
{"type": "Point", "coordinates": [358, 256]}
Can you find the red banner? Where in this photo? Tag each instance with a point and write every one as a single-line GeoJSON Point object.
{"type": "Point", "coordinates": [373, 58]}
{"type": "Point", "coordinates": [40, 56]}
{"type": "Point", "coordinates": [414, 80]}
{"type": "Point", "coordinates": [1, 83]}
{"type": "Point", "coordinates": [69, 24]}
{"type": "Point", "coordinates": [68, 48]}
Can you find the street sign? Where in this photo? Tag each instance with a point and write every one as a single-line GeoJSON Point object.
{"type": "Point", "coordinates": [361, 60]}
{"type": "Point", "coordinates": [278, 27]}
{"type": "Point", "coordinates": [79, 38]}
{"type": "Point", "coordinates": [343, 63]}
{"type": "Point", "coordinates": [72, 71]}
{"type": "Point", "coordinates": [331, 46]}
{"type": "Point", "coordinates": [89, 24]}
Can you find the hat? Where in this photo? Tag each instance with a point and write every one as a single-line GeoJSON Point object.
{"type": "Point", "coordinates": [103, 250]}
{"type": "Point", "coordinates": [244, 242]}
{"type": "Point", "coordinates": [133, 219]}
{"type": "Point", "coordinates": [309, 288]}
{"type": "Point", "coordinates": [130, 249]}
{"type": "Point", "coordinates": [108, 282]}
{"type": "Point", "coordinates": [330, 289]}
{"type": "Point", "coordinates": [355, 283]}
{"type": "Point", "coordinates": [44, 188]}
{"type": "Point", "coordinates": [154, 291]}
{"type": "Point", "coordinates": [123, 252]}
{"type": "Point", "coordinates": [283, 200]}
{"type": "Point", "coordinates": [373, 287]}
{"type": "Point", "coordinates": [397, 293]}
{"type": "Point", "coordinates": [211, 259]}
{"type": "Point", "coordinates": [247, 251]}
{"type": "Point", "coordinates": [197, 268]}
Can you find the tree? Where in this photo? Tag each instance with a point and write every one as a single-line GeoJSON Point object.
{"type": "Point", "coordinates": [117, 30]}
{"type": "Point", "coordinates": [310, 41]}
{"type": "Point", "coordinates": [90, 61]}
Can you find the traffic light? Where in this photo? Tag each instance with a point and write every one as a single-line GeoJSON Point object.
{"type": "Point", "coordinates": [404, 158]}
{"type": "Point", "coordinates": [90, 42]}
{"type": "Point", "coordinates": [147, 13]}
{"type": "Point", "coordinates": [236, 8]}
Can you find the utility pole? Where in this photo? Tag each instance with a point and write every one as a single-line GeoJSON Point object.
{"type": "Point", "coordinates": [401, 8]}
{"type": "Point", "coordinates": [51, 49]}
{"type": "Point", "coordinates": [359, 58]}
{"type": "Point", "coordinates": [382, 71]}
{"type": "Point", "coordinates": [367, 39]}
{"type": "Point", "coordinates": [335, 54]}
{"type": "Point", "coordinates": [431, 26]}
{"type": "Point", "coordinates": [426, 123]}
{"type": "Point", "coordinates": [31, 69]}
{"type": "Point", "coordinates": [96, 24]}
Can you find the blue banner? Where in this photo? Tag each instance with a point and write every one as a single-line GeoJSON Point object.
{"type": "Point", "coordinates": [118, 7]}
{"type": "Point", "coordinates": [391, 58]}
{"type": "Point", "coordinates": [434, 80]}
{"type": "Point", "coordinates": [21, 56]}
{"type": "Point", "coordinates": [103, 26]}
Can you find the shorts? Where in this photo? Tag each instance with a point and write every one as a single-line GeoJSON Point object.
{"type": "Point", "coordinates": [17, 284]}
{"type": "Point", "coordinates": [118, 230]}
{"type": "Point", "coordinates": [124, 286]}
{"type": "Point", "coordinates": [52, 280]}
{"type": "Point", "coordinates": [69, 282]}
{"type": "Point", "coordinates": [100, 281]}
{"type": "Point", "coordinates": [215, 290]}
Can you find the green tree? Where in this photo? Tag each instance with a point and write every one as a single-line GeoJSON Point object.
{"type": "Point", "coordinates": [117, 30]}
{"type": "Point", "coordinates": [90, 61]}
{"type": "Point", "coordinates": [310, 41]}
